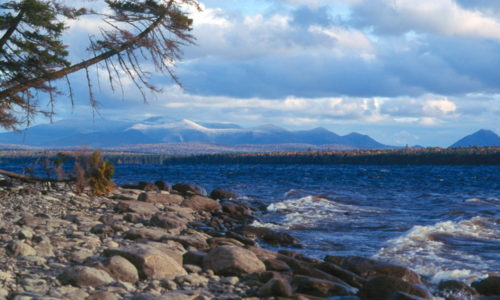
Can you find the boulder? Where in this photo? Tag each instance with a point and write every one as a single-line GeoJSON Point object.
{"type": "Point", "coordinates": [153, 197]}
{"type": "Point", "coordinates": [489, 286]}
{"type": "Point", "coordinates": [321, 288]}
{"type": "Point", "coordinates": [307, 269]}
{"type": "Point", "coordinates": [277, 265]}
{"type": "Point", "coordinates": [263, 254]}
{"type": "Point", "coordinates": [276, 287]}
{"type": "Point", "coordinates": [398, 295]}
{"type": "Point", "coordinates": [152, 234]}
{"type": "Point", "coordinates": [382, 286]}
{"type": "Point", "coordinates": [150, 261]}
{"type": "Point", "coordinates": [356, 264]}
{"type": "Point", "coordinates": [139, 207]}
{"type": "Point", "coordinates": [456, 287]}
{"type": "Point", "coordinates": [232, 261]}
{"type": "Point", "coordinates": [393, 270]}
{"type": "Point", "coordinates": [236, 210]}
{"type": "Point", "coordinates": [241, 238]}
{"type": "Point", "coordinates": [82, 276]}
{"type": "Point", "coordinates": [200, 203]}
{"type": "Point", "coordinates": [168, 220]}
{"type": "Point", "coordinates": [270, 236]}
{"type": "Point", "coordinates": [220, 194]}
{"type": "Point", "coordinates": [193, 258]}
{"type": "Point", "coordinates": [189, 189]}
{"type": "Point", "coordinates": [223, 241]}
{"type": "Point", "coordinates": [20, 248]}
{"type": "Point", "coordinates": [190, 238]}
{"type": "Point", "coordinates": [162, 186]}
{"type": "Point", "coordinates": [121, 269]}
{"type": "Point", "coordinates": [349, 277]}
{"type": "Point", "coordinates": [101, 295]}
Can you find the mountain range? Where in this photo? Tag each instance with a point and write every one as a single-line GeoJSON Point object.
{"type": "Point", "coordinates": [186, 136]}
{"type": "Point", "coordinates": [160, 130]}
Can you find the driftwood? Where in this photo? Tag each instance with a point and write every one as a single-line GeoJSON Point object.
{"type": "Point", "coordinates": [32, 179]}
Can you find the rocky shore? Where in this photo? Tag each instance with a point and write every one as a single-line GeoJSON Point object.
{"type": "Point", "coordinates": [152, 241]}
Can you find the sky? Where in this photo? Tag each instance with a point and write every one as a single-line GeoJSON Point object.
{"type": "Point", "coordinates": [410, 72]}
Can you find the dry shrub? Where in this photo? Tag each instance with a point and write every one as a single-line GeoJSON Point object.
{"type": "Point", "coordinates": [93, 172]}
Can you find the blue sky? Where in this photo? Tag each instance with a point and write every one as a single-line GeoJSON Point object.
{"type": "Point", "coordinates": [402, 71]}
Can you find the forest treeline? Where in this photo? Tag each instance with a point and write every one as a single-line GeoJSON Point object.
{"type": "Point", "coordinates": [408, 156]}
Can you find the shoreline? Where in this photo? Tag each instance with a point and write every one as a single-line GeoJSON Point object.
{"type": "Point", "coordinates": [152, 242]}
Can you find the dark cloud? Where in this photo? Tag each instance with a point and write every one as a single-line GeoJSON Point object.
{"type": "Point", "coordinates": [447, 66]}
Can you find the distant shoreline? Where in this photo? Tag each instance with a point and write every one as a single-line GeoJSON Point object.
{"type": "Point", "coordinates": [408, 156]}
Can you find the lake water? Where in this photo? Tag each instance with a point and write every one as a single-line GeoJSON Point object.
{"type": "Point", "coordinates": [442, 221]}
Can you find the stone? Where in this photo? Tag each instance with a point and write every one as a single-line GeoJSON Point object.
{"type": "Point", "coordinates": [398, 295]}
{"type": "Point", "coordinates": [223, 241]}
{"type": "Point", "coordinates": [189, 189]}
{"type": "Point", "coordinates": [220, 194]}
{"type": "Point", "coordinates": [241, 238]}
{"type": "Point", "coordinates": [25, 233]}
{"type": "Point", "coordinates": [31, 221]}
{"type": "Point", "coordinates": [150, 261]}
{"type": "Point", "coordinates": [162, 185]}
{"type": "Point", "coordinates": [139, 207]}
{"type": "Point", "coordinates": [263, 254]}
{"type": "Point", "coordinates": [82, 276]}
{"type": "Point", "coordinates": [320, 287]}
{"type": "Point", "coordinates": [190, 238]}
{"type": "Point", "coordinates": [44, 248]}
{"type": "Point", "coordinates": [356, 264]}
{"type": "Point", "coordinates": [489, 286]}
{"type": "Point", "coordinates": [20, 248]}
{"type": "Point", "coordinates": [152, 234]}
{"type": "Point", "coordinates": [121, 269]}
{"type": "Point", "coordinates": [279, 238]}
{"type": "Point", "coordinates": [456, 288]}
{"type": "Point", "coordinates": [300, 267]}
{"type": "Point", "coordinates": [102, 295]}
{"type": "Point", "coordinates": [382, 286]}
{"type": "Point", "coordinates": [192, 268]}
{"type": "Point", "coordinates": [276, 287]}
{"type": "Point", "coordinates": [277, 265]}
{"type": "Point", "coordinates": [231, 280]}
{"type": "Point", "coordinates": [168, 220]}
{"type": "Point", "coordinates": [193, 258]}
{"type": "Point", "coordinates": [193, 280]}
{"type": "Point", "coordinates": [153, 197]}
{"type": "Point", "coordinates": [232, 260]}
{"type": "Point", "coordinates": [37, 286]}
{"type": "Point", "coordinates": [393, 270]}
{"type": "Point", "coordinates": [200, 203]}
{"type": "Point", "coordinates": [349, 277]}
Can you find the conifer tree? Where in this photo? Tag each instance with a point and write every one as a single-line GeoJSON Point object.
{"type": "Point", "coordinates": [33, 56]}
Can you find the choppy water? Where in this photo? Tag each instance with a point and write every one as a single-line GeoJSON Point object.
{"type": "Point", "coordinates": [443, 221]}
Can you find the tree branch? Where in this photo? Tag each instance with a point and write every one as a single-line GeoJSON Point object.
{"type": "Point", "coordinates": [12, 28]}
{"type": "Point", "coordinates": [37, 82]}
{"type": "Point", "coordinates": [25, 178]}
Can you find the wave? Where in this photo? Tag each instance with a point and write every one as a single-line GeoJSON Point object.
{"type": "Point", "coordinates": [448, 250]}
{"type": "Point", "coordinates": [312, 211]}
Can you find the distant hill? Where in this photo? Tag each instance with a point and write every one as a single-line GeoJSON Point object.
{"type": "Point", "coordinates": [482, 137]}
{"type": "Point", "coordinates": [159, 130]}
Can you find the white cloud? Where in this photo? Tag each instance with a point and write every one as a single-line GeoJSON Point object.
{"type": "Point", "coordinates": [443, 17]}
{"type": "Point", "coordinates": [239, 36]}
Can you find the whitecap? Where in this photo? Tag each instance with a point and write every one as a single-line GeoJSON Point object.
{"type": "Point", "coordinates": [446, 250]}
{"type": "Point", "coordinates": [312, 210]}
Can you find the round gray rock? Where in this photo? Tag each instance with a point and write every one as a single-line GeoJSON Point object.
{"type": "Point", "coordinates": [232, 260]}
